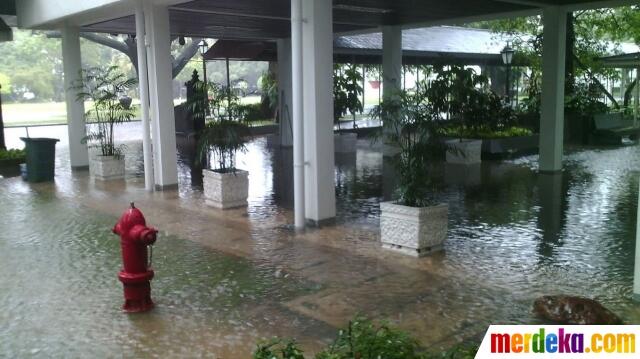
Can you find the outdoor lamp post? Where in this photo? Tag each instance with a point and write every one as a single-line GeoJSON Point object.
{"type": "Point", "coordinates": [203, 50]}
{"type": "Point", "coordinates": [507, 59]}
{"type": "Point", "coordinates": [203, 47]}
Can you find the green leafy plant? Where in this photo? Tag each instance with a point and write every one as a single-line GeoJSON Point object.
{"type": "Point", "coordinates": [225, 132]}
{"type": "Point", "coordinates": [13, 154]}
{"type": "Point", "coordinates": [253, 112]}
{"type": "Point", "coordinates": [485, 133]}
{"type": "Point", "coordinates": [347, 91]}
{"type": "Point", "coordinates": [269, 86]}
{"type": "Point", "coordinates": [463, 97]}
{"type": "Point", "coordinates": [363, 339]}
{"type": "Point", "coordinates": [278, 349]}
{"type": "Point", "coordinates": [410, 122]}
{"type": "Point", "coordinates": [223, 138]}
{"type": "Point", "coordinates": [103, 88]}
{"type": "Point", "coordinates": [457, 352]}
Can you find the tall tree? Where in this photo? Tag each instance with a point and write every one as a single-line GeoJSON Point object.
{"type": "Point", "coordinates": [586, 43]}
{"type": "Point", "coordinates": [127, 45]}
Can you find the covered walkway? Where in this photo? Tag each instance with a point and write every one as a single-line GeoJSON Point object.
{"type": "Point", "coordinates": [304, 29]}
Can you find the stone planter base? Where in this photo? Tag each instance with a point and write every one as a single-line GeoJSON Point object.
{"type": "Point", "coordinates": [501, 147]}
{"type": "Point", "coordinates": [345, 142]}
{"type": "Point", "coordinates": [106, 168]}
{"type": "Point", "coordinates": [411, 230]}
{"type": "Point", "coordinates": [226, 190]}
{"type": "Point", "coordinates": [469, 152]}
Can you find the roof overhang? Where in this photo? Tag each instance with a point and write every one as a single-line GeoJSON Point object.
{"type": "Point", "coordinates": [270, 19]}
{"type": "Point", "coordinates": [622, 61]}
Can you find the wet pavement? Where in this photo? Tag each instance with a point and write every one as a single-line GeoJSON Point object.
{"type": "Point", "coordinates": [226, 279]}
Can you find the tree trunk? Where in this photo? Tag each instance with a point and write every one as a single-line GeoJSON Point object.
{"type": "Point", "coordinates": [129, 48]}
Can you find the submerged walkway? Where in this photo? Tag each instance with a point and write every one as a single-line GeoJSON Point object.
{"type": "Point", "coordinates": [226, 279]}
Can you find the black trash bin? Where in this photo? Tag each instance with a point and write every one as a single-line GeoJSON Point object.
{"type": "Point", "coordinates": [41, 158]}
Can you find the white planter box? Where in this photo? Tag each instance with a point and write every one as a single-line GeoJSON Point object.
{"type": "Point", "coordinates": [511, 145]}
{"type": "Point", "coordinates": [226, 190]}
{"type": "Point", "coordinates": [468, 152]}
{"type": "Point", "coordinates": [106, 168]}
{"type": "Point", "coordinates": [411, 230]}
{"type": "Point", "coordinates": [345, 142]}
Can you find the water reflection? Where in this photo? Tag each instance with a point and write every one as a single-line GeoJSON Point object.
{"type": "Point", "coordinates": [551, 218]}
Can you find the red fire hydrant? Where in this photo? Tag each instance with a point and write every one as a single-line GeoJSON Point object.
{"type": "Point", "coordinates": [135, 236]}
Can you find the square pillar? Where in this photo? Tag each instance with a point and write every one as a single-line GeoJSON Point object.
{"type": "Point", "coordinates": [163, 128]}
{"type": "Point", "coordinates": [284, 92]}
{"type": "Point", "coordinates": [552, 108]}
{"type": "Point", "coordinates": [71, 62]}
{"type": "Point", "coordinates": [317, 53]}
{"type": "Point", "coordinates": [391, 60]}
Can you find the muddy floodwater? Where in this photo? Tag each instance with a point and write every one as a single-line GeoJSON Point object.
{"type": "Point", "coordinates": [225, 280]}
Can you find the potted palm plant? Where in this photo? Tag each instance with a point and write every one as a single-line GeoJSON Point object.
{"type": "Point", "coordinates": [103, 89]}
{"type": "Point", "coordinates": [413, 223]}
{"type": "Point", "coordinates": [347, 91]}
{"type": "Point", "coordinates": [225, 186]}
{"type": "Point", "coordinates": [452, 93]}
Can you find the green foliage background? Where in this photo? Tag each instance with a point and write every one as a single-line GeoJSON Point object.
{"type": "Point", "coordinates": [32, 63]}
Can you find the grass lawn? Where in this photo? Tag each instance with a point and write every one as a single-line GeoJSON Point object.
{"type": "Point", "coordinates": [55, 113]}
{"type": "Point", "coordinates": [26, 114]}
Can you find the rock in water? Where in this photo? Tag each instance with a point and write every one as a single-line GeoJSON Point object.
{"type": "Point", "coordinates": [574, 311]}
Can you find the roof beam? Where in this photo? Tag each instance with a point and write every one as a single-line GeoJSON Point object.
{"type": "Point", "coordinates": [469, 19]}
{"type": "Point", "coordinates": [340, 19]}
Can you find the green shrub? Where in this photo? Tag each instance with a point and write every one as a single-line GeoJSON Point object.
{"type": "Point", "coordinates": [14, 154]}
{"type": "Point", "coordinates": [223, 138]}
{"type": "Point", "coordinates": [363, 339]}
{"type": "Point", "coordinates": [485, 132]}
{"type": "Point", "coordinates": [278, 349]}
{"type": "Point", "coordinates": [253, 112]}
{"type": "Point", "coordinates": [457, 352]}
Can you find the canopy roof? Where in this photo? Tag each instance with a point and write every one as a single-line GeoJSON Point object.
{"type": "Point", "coordinates": [270, 19]}
{"type": "Point", "coordinates": [420, 46]}
{"type": "Point", "coordinates": [631, 60]}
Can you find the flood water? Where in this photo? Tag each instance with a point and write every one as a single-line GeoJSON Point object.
{"type": "Point", "coordinates": [513, 235]}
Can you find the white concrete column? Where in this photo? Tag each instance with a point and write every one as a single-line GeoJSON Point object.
{"type": "Point", "coordinates": [317, 45]}
{"type": "Point", "coordinates": [636, 272]}
{"type": "Point", "coordinates": [552, 109]}
{"type": "Point", "coordinates": [284, 92]}
{"type": "Point", "coordinates": [297, 105]}
{"type": "Point", "coordinates": [391, 60]}
{"type": "Point", "coordinates": [71, 62]}
{"type": "Point", "coordinates": [143, 84]}
{"type": "Point", "coordinates": [163, 127]}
